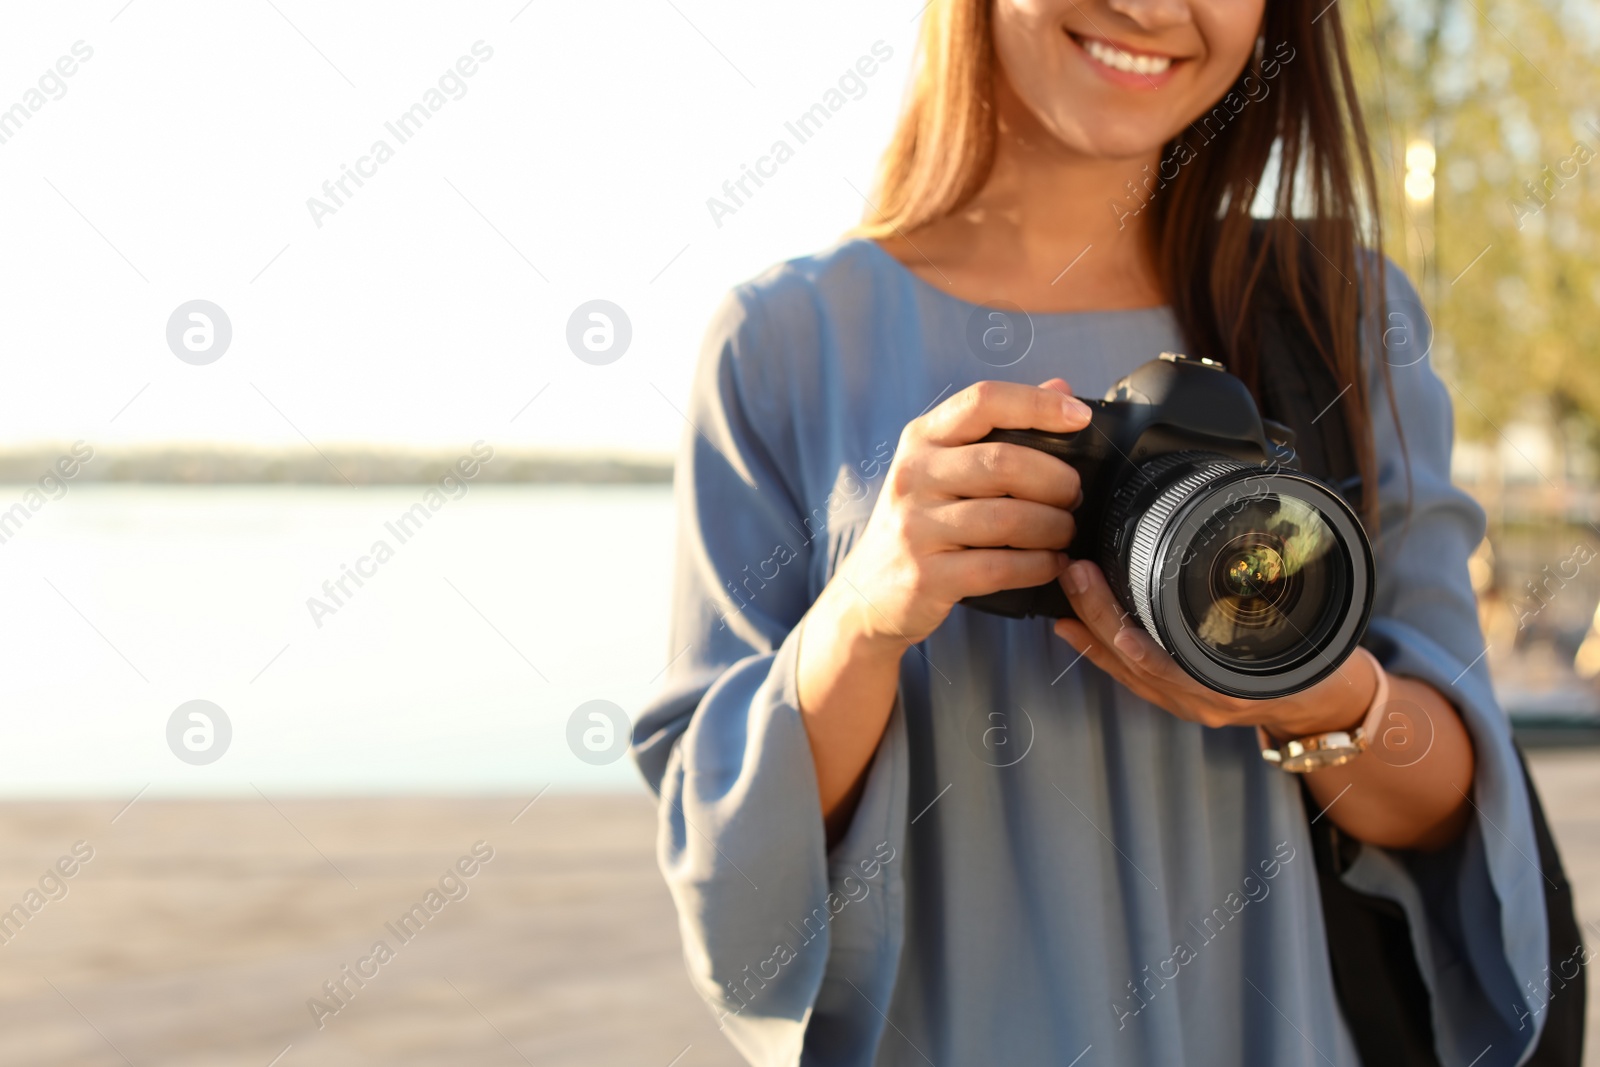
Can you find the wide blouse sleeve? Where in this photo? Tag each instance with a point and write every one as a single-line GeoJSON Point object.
{"type": "Point", "coordinates": [1476, 909]}
{"type": "Point", "coordinates": [790, 944]}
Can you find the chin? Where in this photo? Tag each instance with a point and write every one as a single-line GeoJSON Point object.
{"type": "Point", "coordinates": [1111, 139]}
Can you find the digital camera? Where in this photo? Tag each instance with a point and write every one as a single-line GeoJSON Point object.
{"type": "Point", "coordinates": [1255, 577]}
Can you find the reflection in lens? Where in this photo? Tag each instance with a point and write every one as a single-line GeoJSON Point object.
{"type": "Point", "coordinates": [1263, 582]}
{"type": "Point", "coordinates": [1253, 570]}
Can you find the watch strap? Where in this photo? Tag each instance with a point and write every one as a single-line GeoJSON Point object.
{"type": "Point", "coordinates": [1300, 754]}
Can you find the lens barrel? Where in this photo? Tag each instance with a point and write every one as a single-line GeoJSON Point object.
{"type": "Point", "coordinates": [1258, 581]}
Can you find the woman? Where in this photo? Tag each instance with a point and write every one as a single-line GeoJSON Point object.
{"type": "Point", "coordinates": [898, 830]}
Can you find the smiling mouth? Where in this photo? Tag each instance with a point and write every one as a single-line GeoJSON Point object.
{"type": "Point", "coordinates": [1122, 59]}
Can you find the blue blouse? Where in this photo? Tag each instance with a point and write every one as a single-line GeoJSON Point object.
{"type": "Point", "coordinates": [1043, 868]}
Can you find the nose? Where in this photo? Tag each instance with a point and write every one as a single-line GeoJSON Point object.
{"type": "Point", "coordinates": [1153, 14]}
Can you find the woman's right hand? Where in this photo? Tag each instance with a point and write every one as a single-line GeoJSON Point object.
{"type": "Point", "coordinates": [959, 518]}
{"type": "Point", "coordinates": [955, 519]}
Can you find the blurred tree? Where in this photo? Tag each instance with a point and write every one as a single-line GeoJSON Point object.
{"type": "Point", "coordinates": [1503, 245]}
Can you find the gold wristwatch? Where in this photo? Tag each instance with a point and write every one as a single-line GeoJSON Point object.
{"type": "Point", "coordinates": [1318, 751]}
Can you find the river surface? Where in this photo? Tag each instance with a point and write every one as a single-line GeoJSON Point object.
{"type": "Point", "coordinates": [453, 666]}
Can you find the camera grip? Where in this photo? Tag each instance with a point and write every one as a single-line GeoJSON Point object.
{"type": "Point", "coordinates": [1048, 600]}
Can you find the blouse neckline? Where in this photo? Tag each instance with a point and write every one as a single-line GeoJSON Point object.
{"type": "Point", "coordinates": [922, 284]}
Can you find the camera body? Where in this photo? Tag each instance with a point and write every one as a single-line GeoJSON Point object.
{"type": "Point", "coordinates": [1179, 471]}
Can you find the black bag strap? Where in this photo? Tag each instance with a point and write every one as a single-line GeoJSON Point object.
{"type": "Point", "coordinates": [1375, 973]}
{"type": "Point", "coordinates": [1567, 977]}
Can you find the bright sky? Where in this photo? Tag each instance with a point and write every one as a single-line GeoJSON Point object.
{"type": "Point", "coordinates": [175, 164]}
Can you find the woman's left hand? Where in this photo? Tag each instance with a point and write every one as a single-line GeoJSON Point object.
{"type": "Point", "coordinates": [1115, 643]}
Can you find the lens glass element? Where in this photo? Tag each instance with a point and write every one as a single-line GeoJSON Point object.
{"type": "Point", "coordinates": [1264, 581]}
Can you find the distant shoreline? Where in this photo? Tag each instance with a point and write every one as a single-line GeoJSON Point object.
{"type": "Point", "coordinates": [330, 466]}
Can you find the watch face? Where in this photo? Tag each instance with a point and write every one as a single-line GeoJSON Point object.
{"type": "Point", "coordinates": [1319, 758]}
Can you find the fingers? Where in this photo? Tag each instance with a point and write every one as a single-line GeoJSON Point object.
{"type": "Point", "coordinates": [972, 413]}
{"type": "Point", "coordinates": [1155, 663]}
{"type": "Point", "coordinates": [1001, 522]}
{"type": "Point", "coordinates": [980, 571]}
{"type": "Point", "coordinates": [1093, 601]}
{"type": "Point", "coordinates": [1137, 656]}
{"type": "Point", "coordinates": [1079, 637]}
{"type": "Point", "coordinates": [1114, 628]}
{"type": "Point", "coordinates": [994, 469]}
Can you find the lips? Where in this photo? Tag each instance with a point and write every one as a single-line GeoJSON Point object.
{"type": "Point", "coordinates": [1126, 65]}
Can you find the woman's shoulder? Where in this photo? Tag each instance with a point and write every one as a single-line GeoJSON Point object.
{"type": "Point", "coordinates": [1410, 399]}
{"type": "Point", "coordinates": [1404, 328]}
{"type": "Point", "coordinates": [1399, 292]}
{"type": "Point", "coordinates": [769, 337]}
{"type": "Point", "coordinates": [789, 300]}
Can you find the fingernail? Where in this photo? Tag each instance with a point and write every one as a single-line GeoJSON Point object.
{"type": "Point", "coordinates": [1074, 408]}
{"type": "Point", "coordinates": [1130, 645]}
{"type": "Point", "coordinates": [1077, 579]}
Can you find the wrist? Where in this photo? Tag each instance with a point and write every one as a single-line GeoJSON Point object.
{"type": "Point", "coordinates": [1341, 703]}
{"type": "Point", "coordinates": [853, 627]}
{"type": "Point", "coordinates": [1332, 741]}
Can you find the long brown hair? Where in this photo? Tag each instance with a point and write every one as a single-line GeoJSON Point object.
{"type": "Point", "coordinates": [1321, 245]}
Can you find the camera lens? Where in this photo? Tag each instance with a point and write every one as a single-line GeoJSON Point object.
{"type": "Point", "coordinates": [1265, 580]}
{"type": "Point", "coordinates": [1258, 581]}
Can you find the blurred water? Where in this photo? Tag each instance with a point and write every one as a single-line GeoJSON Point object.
{"type": "Point", "coordinates": [454, 667]}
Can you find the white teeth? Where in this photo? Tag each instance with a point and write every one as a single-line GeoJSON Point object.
{"type": "Point", "coordinates": [1117, 59]}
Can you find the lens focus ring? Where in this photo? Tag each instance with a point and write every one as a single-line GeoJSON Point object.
{"type": "Point", "coordinates": [1147, 536]}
